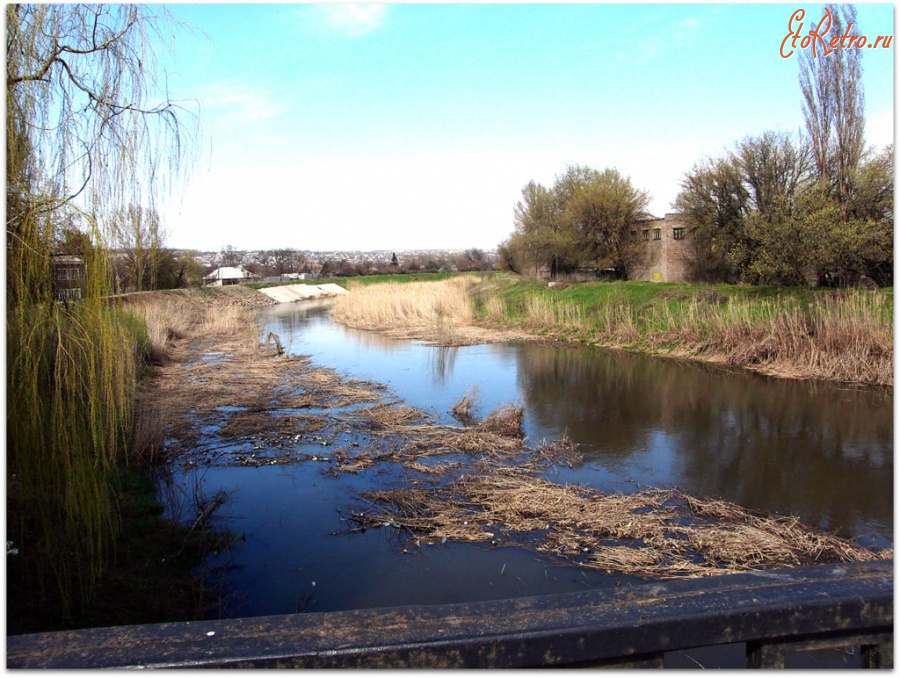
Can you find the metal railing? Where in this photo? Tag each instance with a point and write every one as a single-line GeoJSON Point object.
{"type": "Point", "coordinates": [774, 613]}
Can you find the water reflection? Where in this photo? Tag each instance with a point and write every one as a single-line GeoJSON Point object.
{"type": "Point", "coordinates": [815, 450]}
{"type": "Point", "coordinates": [443, 359]}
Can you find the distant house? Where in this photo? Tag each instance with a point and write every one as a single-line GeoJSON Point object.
{"type": "Point", "coordinates": [667, 250]}
{"type": "Point", "coordinates": [666, 254]}
{"type": "Point", "coordinates": [68, 277]}
{"type": "Point", "coordinates": [228, 275]}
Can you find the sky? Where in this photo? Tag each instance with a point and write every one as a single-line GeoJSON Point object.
{"type": "Point", "coordinates": [410, 126]}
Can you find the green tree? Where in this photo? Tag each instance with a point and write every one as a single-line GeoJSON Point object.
{"type": "Point", "coordinates": [789, 242]}
{"type": "Point", "coordinates": [714, 203]}
{"type": "Point", "coordinates": [179, 269]}
{"type": "Point", "coordinates": [761, 178]}
{"type": "Point", "coordinates": [541, 236]}
{"type": "Point", "coordinates": [587, 217]}
{"type": "Point", "coordinates": [604, 209]}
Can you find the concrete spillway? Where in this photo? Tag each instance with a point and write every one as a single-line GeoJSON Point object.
{"type": "Point", "coordinates": [285, 293]}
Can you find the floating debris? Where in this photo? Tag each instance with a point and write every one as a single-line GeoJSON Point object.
{"type": "Point", "coordinates": [658, 533]}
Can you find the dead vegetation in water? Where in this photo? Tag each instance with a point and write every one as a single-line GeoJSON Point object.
{"type": "Point", "coordinates": [408, 437]}
{"type": "Point", "coordinates": [658, 533]}
{"type": "Point", "coordinates": [464, 410]}
{"type": "Point", "coordinates": [262, 425]}
{"type": "Point", "coordinates": [225, 379]}
{"type": "Point", "coordinates": [213, 372]}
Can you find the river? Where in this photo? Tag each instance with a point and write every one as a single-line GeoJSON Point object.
{"type": "Point", "coordinates": [818, 451]}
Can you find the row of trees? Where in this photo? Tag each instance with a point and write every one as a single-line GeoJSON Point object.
{"type": "Point", "coordinates": [813, 208]}
{"type": "Point", "coordinates": [137, 259]}
{"type": "Point", "coordinates": [283, 261]}
{"type": "Point", "coordinates": [764, 214]}
{"type": "Point", "coordinates": [587, 216]}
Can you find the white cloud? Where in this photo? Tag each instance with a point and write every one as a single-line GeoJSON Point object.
{"type": "Point", "coordinates": [352, 20]}
{"type": "Point", "coordinates": [237, 103]}
{"type": "Point", "coordinates": [690, 23]}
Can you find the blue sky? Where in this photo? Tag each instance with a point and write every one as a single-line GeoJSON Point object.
{"type": "Point", "coordinates": [401, 126]}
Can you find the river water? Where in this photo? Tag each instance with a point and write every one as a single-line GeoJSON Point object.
{"type": "Point", "coordinates": [818, 451]}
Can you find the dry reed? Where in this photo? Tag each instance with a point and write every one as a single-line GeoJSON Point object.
{"type": "Point", "coordinates": [464, 410]}
{"type": "Point", "coordinates": [440, 312]}
{"type": "Point", "coordinates": [652, 533]}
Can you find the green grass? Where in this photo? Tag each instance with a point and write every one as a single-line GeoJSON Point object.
{"type": "Point", "coordinates": [593, 297]}
{"type": "Point", "coordinates": [844, 335]}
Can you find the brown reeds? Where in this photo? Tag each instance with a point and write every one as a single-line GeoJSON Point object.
{"type": "Point", "coordinates": [659, 533]}
{"type": "Point", "coordinates": [464, 410]}
{"type": "Point", "coordinates": [562, 451]}
{"type": "Point", "coordinates": [384, 417]}
{"type": "Point", "coordinates": [497, 494]}
{"type": "Point", "coordinates": [505, 421]}
{"type": "Point", "coordinates": [439, 312]}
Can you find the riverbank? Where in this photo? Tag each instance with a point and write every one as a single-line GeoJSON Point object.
{"type": "Point", "coordinates": [833, 335]}
{"type": "Point", "coordinates": [147, 552]}
{"type": "Point", "coordinates": [223, 398]}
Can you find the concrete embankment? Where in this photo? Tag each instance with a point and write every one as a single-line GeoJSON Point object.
{"type": "Point", "coordinates": [285, 293]}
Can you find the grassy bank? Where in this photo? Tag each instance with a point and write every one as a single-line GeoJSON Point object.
{"type": "Point", "coordinates": [839, 335]}
{"type": "Point", "coordinates": [222, 379]}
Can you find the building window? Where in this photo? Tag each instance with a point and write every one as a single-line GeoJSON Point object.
{"type": "Point", "coordinates": [678, 233]}
{"type": "Point", "coordinates": [657, 234]}
{"type": "Point", "coordinates": [646, 233]}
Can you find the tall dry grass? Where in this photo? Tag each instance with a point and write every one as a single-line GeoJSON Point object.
{"type": "Point", "coordinates": [839, 336]}
{"type": "Point", "coordinates": [165, 320]}
{"type": "Point", "coordinates": [168, 317]}
{"type": "Point", "coordinates": [436, 309]}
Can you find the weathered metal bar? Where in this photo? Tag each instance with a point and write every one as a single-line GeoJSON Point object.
{"type": "Point", "coordinates": [880, 656]}
{"type": "Point", "coordinates": [606, 626]}
{"type": "Point", "coordinates": [771, 654]}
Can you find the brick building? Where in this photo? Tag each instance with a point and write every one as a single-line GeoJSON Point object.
{"type": "Point", "coordinates": [68, 277]}
{"type": "Point", "coordinates": [667, 250]}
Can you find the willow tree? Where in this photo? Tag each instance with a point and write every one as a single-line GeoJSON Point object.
{"type": "Point", "coordinates": [89, 131]}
